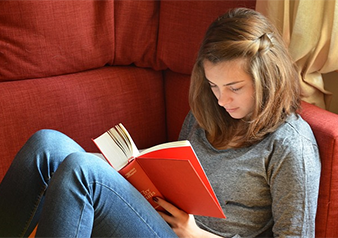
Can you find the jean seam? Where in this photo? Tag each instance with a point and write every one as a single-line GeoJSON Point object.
{"type": "Point", "coordinates": [36, 205]}
{"type": "Point", "coordinates": [78, 227]}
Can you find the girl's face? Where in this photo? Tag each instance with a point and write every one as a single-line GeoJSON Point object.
{"type": "Point", "coordinates": [232, 86]}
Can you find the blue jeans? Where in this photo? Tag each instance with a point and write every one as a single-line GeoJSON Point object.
{"type": "Point", "coordinates": [70, 193]}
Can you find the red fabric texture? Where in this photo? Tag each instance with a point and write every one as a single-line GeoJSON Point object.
{"type": "Point", "coordinates": [324, 126]}
{"type": "Point", "coordinates": [136, 24]}
{"type": "Point", "coordinates": [46, 38]}
{"type": "Point", "coordinates": [182, 28]}
{"type": "Point", "coordinates": [176, 100]}
{"type": "Point", "coordinates": [83, 106]}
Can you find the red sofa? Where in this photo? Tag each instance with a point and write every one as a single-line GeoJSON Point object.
{"type": "Point", "coordinates": [81, 67]}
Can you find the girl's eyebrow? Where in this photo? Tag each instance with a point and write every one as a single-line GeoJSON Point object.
{"type": "Point", "coordinates": [228, 84]}
{"type": "Point", "coordinates": [232, 83]}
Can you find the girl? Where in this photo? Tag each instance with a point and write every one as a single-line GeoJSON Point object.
{"type": "Point", "coordinates": [259, 154]}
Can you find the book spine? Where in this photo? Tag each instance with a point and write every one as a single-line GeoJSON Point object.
{"type": "Point", "coordinates": [139, 179]}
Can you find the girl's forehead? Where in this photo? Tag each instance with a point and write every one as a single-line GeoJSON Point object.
{"type": "Point", "coordinates": [226, 72]}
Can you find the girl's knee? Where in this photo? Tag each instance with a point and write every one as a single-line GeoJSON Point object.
{"type": "Point", "coordinates": [83, 166]}
{"type": "Point", "coordinates": [53, 141]}
{"type": "Point", "coordinates": [46, 135]}
{"type": "Point", "coordinates": [84, 161]}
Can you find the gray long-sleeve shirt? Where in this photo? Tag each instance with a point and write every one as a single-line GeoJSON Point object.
{"type": "Point", "coordinates": [270, 188]}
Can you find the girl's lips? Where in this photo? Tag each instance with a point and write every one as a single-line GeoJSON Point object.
{"type": "Point", "coordinates": [231, 109]}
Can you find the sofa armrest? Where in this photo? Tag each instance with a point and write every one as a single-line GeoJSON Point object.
{"type": "Point", "coordinates": [324, 125]}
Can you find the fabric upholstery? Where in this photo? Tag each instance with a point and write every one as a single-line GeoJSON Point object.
{"type": "Point", "coordinates": [324, 125]}
{"type": "Point", "coordinates": [83, 106]}
{"type": "Point", "coordinates": [182, 27]}
{"type": "Point", "coordinates": [176, 100]}
{"type": "Point", "coordinates": [46, 38]}
{"type": "Point", "coordinates": [136, 46]}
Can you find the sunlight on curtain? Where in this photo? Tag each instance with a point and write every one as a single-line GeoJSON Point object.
{"type": "Point", "coordinates": [310, 30]}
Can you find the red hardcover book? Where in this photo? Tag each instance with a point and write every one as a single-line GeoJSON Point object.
{"type": "Point", "coordinates": [170, 170]}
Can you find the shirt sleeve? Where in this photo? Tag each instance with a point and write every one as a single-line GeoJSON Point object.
{"type": "Point", "coordinates": [293, 174]}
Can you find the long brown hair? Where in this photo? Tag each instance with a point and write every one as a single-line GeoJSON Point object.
{"type": "Point", "coordinates": [245, 33]}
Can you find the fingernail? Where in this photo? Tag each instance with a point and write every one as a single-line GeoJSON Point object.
{"type": "Point", "coordinates": [155, 199]}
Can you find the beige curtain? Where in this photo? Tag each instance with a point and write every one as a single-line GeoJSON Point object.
{"type": "Point", "coordinates": [310, 30]}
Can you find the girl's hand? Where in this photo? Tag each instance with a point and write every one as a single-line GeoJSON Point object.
{"type": "Point", "coordinates": [183, 224]}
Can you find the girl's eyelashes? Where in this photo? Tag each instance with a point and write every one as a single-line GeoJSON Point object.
{"type": "Point", "coordinates": [235, 89]}
{"type": "Point", "coordinates": [212, 85]}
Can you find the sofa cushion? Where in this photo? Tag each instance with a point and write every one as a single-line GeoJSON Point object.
{"type": "Point", "coordinates": [48, 38]}
{"type": "Point", "coordinates": [136, 26]}
{"type": "Point", "coordinates": [182, 28]}
{"type": "Point", "coordinates": [83, 106]}
{"type": "Point", "coordinates": [45, 38]}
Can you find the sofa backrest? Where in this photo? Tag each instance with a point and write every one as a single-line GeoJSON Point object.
{"type": "Point", "coordinates": [49, 38]}
{"type": "Point", "coordinates": [182, 26]}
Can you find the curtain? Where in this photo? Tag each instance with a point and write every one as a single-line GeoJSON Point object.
{"type": "Point", "coordinates": [310, 31]}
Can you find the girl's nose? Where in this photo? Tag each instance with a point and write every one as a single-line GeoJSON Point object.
{"type": "Point", "coordinates": [224, 99]}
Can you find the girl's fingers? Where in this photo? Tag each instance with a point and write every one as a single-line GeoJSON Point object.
{"type": "Point", "coordinates": [174, 211]}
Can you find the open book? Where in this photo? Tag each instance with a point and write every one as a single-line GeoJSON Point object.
{"type": "Point", "coordinates": [170, 170]}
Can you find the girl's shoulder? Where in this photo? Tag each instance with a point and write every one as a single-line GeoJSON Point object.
{"type": "Point", "coordinates": [295, 125]}
{"type": "Point", "coordinates": [293, 133]}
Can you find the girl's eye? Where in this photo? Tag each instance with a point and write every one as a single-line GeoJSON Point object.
{"type": "Point", "coordinates": [212, 85]}
{"type": "Point", "coordinates": [235, 89]}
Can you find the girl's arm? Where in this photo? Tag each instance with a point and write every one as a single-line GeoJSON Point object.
{"type": "Point", "coordinates": [294, 173]}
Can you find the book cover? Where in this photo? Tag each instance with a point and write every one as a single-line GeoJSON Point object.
{"type": "Point", "coordinates": [170, 170]}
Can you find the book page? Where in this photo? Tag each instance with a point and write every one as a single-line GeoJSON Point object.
{"type": "Point", "coordinates": [173, 144]}
{"type": "Point", "coordinates": [117, 146]}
